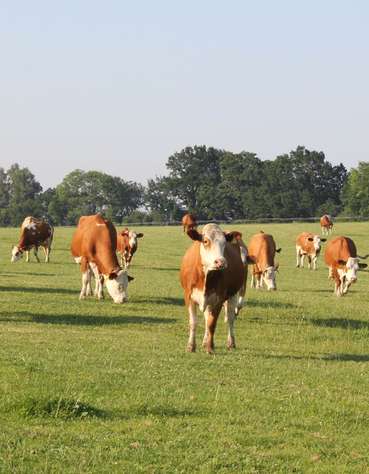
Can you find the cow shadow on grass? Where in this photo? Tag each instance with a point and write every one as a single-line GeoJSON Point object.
{"type": "Point", "coordinates": [268, 304]}
{"type": "Point", "coordinates": [341, 323]}
{"type": "Point", "coordinates": [80, 320]}
{"type": "Point", "coordinates": [15, 274]}
{"type": "Point", "coordinates": [166, 300]}
{"type": "Point", "coordinates": [30, 289]}
{"type": "Point", "coordinates": [334, 357]}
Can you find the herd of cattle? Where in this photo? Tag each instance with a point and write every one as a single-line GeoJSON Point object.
{"type": "Point", "coordinates": [213, 272]}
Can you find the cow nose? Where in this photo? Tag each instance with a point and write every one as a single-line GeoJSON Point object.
{"type": "Point", "coordinates": [273, 288]}
{"type": "Point", "coordinates": [220, 263]}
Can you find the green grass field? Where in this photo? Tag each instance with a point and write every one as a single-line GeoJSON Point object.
{"type": "Point", "coordinates": [95, 387]}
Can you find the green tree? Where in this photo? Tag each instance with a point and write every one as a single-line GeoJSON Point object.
{"type": "Point", "coordinates": [355, 194]}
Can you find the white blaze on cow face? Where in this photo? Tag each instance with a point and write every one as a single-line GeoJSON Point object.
{"type": "Point", "coordinates": [348, 275]}
{"type": "Point", "coordinates": [317, 243]}
{"type": "Point", "coordinates": [269, 278]}
{"type": "Point", "coordinates": [16, 254]}
{"type": "Point", "coordinates": [212, 248]}
{"type": "Point", "coordinates": [117, 286]}
{"type": "Point", "coordinates": [132, 239]}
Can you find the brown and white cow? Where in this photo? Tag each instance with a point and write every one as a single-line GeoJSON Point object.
{"type": "Point", "coordinates": [237, 239]}
{"type": "Point", "coordinates": [309, 245]}
{"type": "Point", "coordinates": [94, 246]}
{"type": "Point", "coordinates": [326, 224]}
{"type": "Point", "coordinates": [262, 251]}
{"type": "Point", "coordinates": [127, 245]}
{"type": "Point", "coordinates": [211, 275]}
{"type": "Point", "coordinates": [343, 262]}
{"type": "Point", "coordinates": [189, 222]}
{"type": "Point", "coordinates": [35, 233]}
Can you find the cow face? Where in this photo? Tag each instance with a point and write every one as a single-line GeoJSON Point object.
{"type": "Point", "coordinates": [132, 239]}
{"type": "Point", "coordinates": [212, 246]}
{"type": "Point", "coordinates": [348, 274]}
{"type": "Point", "coordinates": [17, 254]}
{"type": "Point", "coordinates": [117, 285]}
{"type": "Point", "coordinates": [317, 242]}
{"type": "Point", "coordinates": [268, 276]}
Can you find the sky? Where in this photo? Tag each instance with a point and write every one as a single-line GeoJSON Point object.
{"type": "Point", "coordinates": [119, 86]}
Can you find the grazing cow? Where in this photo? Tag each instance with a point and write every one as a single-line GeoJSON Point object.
{"type": "Point", "coordinates": [343, 262]}
{"type": "Point", "coordinates": [237, 239]}
{"type": "Point", "coordinates": [211, 275]}
{"type": "Point", "coordinates": [189, 222]}
{"type": "Point", "coordinates": [94, 246]}
{"type": "Point", "coordinates": [35, 233]}
{"type": "Point", "coordinates": [309, 245]}
{"type": "Point", "coordinates": [326, 224]}
{"type": "Point", "coordinates": [127, 245]}
{"type": "Point", "coordinates": [262, 251]}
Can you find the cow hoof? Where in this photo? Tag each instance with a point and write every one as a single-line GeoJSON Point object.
{"type": "Point", "coordinates": [231, 345]}
{"type": "Point", "coordinates": [191, 348]}
{"type": "Point", "coordinates": [82, 297]}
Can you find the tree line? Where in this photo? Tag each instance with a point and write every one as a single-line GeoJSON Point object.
{"type": "Point", "coordinates": [212, 183]}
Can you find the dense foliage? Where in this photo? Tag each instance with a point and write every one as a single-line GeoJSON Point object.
{"type": "Point", "coordinates": [212, 183]}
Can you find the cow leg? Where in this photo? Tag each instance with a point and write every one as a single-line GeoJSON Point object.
{"type": "Point", "coordinates": [309, 262]}
{"type": "Point", "coordinates": [211, 320]}
{"type": "Point", "coordinates": [191, 345]}
{"type": "Point", "coordinates": [35, 250]}
{"type": "Point", "coordinates": [252, 283]}
{"type": "Point", "coordinates": [259, 281]}
{"type": "Point", "coordinates": [86, 281]}
{"type": "Point", "coordinates": [315, 259]}
{"type": "Point", "coordinates": [206, 333]}
{"type": "Point", "coordinates": [27, 256]}
{"type": "Point", "coordinates": [230, 306]}
{"type": "Point", "coordinates": [99, 292]}
{"type": "Point", "coordinates": [298, 256]}
{"type": "Point", "coordinates": [46, 250]}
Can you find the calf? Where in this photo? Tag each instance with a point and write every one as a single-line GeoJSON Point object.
{"type": "Point", "coordinates": [189, 222]}
{"type": "Point", "coordinates": [309, 245]}
{"type": "Point", "coordinates": [94, 246]}
{"type": "Point", "coordinates": [35, 233]}
{"type": "Point", "coordinates": [262, 251]}
{"type": "Point", "coordinates": [127, 245]}
{"type": "Point", "coordinates": [343, 262]}
{"type": "Point", "coordinates": [211, 275]}
{"type": "Point", "coordinates": [326, 224]}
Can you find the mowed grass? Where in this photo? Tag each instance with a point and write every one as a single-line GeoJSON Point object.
{"type": "Point", "coordinates": [90, 386]}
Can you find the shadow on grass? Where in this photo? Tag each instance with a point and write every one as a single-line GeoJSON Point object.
{"type": "Point", "coordinates": [15, 274]}
{"type": "Point", "coordinates": [160, 269]}
{"type": "Point", "coordinates": [268, 304]}
{"type": "Point", "coordinates": [19, 289]}
{"type": "Point", "coordinates": [341, 323]}
{"type": "Point", "coordinates": [169, 300]}
{"type": "Point", "coordinates": [324, 357]}
{"type": "Point", "coordinates": [80, 320]}
{"type": "Point", "coordinates": [163, 411]}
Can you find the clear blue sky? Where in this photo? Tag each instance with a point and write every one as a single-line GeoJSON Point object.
{"type": "Point", "coordinates": [118, 86]}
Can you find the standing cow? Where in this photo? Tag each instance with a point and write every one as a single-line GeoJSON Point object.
{"type": "Point", "coordinates": [211, 275]}
{"type": "Point", "coordinates": [326, 224]}
{"type": "Point", "coordinates": [35, 233]}
{"type": "Point", "coordinates": [189, 222]}
{"type": "Point", "coordinates": [309, 245]}
{"type": "Point", "coordinates": [343, 262]}
{"type": "Point", "coordinates": [94, 246]}
{"type": "Point", "coordinates": [262, 251]}
{"type": "Point", "coordinates": [127, 244]}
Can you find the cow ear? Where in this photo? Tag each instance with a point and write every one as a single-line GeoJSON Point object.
{"type": "Point", "coordinates": [310, 239]}
{"type": "Point", "coordinates": [363, 265]}
{"type": "Point", "coordinates": [130, 278]}
{"type": "Point", "coordinates": [232, 235]}
{"type": "Point", "coordinates": [276, 267]}
{"type": "Point", "coordinates": [323, 240]}
{"type": "Point", "coordinates": [278, 250]}
{"type": "Point", "coordinates": [112, 276]}
{"type": "Point", "coordinates": [342, 262]}
{"type": "Point", "coordinates": [194, 235]}
{"type": "Point", "coordinates": [139, 235]}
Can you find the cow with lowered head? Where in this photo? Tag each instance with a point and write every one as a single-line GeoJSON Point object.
{"type": "Point", "coordinates": [35, 233]}
{"type": "Point", "coordinates": [94, 246]}
{"type": "Point", "coordinates": [211, 275]}
{"type": "Point", "coordinates": [262, 250]}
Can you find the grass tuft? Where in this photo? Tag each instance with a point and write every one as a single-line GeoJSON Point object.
{"type": "Point", "coordinates": [62, 408]}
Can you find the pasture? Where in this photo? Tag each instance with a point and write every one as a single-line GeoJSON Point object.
{"type": "Point", "coordinates": [89, 386]}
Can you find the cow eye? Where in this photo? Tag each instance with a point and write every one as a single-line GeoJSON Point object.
{"type": "Point", "coordinates": [206, 242]}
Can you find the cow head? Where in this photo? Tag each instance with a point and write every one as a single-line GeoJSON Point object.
{"type": "Point", "coordinates": [17, 254]}
{"type": "Point", "coordinates": [117, 285]}
{"type": "Point", "coordinates": [269, 279]}
{"type": "Point", "coordinates": [317, 241]}
{"type": "Point", "coordinates": [348, 274]}
{"type": "Point", "coordinates": [212, 246]}
{"type": "Point", "coordinates": [130, 243]}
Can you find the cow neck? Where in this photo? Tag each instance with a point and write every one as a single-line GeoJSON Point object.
{"type": "Point", "coordinates": [24, 243]}
{"type": "Point", "coordinates": [106, 260]}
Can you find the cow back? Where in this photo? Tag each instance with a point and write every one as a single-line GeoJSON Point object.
{"type": "Point", "coordinates": [339, 248]}
{"type": "Point", "coordinates": [262, 250]}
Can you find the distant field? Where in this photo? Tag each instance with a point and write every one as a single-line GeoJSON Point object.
{"type": "Point", "coordinates": [96, 387]}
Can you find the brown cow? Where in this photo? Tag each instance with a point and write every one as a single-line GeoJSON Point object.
{"type": "Point", "coordinates": [35, 233]}
{"type": "Point", "coordinates": [127, 245]}
{"type": "Point", "coordinates": [94, 246]}
{"type": "Point", "coordinates": [189, 222]}
{"type": "Point", "coordinates": [237, 239]}
{"type": "Point", "coordinates": [343, 262]}
{"type": "Point", "coordinates": [309, 245]}
{"type": "Point", "coordinates": [262, 251]}
{"type": "Point", "coordinates": [326, 224]}
{"type": "Point", "coordinates": [212, 274]}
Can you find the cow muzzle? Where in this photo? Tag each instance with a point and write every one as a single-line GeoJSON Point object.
{"type": "Point", "coordinates": [220, 264]}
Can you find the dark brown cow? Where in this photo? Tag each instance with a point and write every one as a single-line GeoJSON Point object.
{"type": "Point", "coordinates": [237, 239]}
{"type": "Point", "coordinates": [94, 246]}
{"type": "Point", "coordinates": [189, 222]}
{"type": "Point", "coordinates": [212, 274]}
{"type": "Point", "coordinates": [309, 245]}
{"type": "Point", "coordinates": [343, 262]}
{"type": "Point", "coordinates": [262, 251]}
{"type": "Point", "coordinates": [127, 244]}
{"type": "Point", "coordinates": [326, 224]}
{"type": "Point", "coordinates": [35, 233]}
